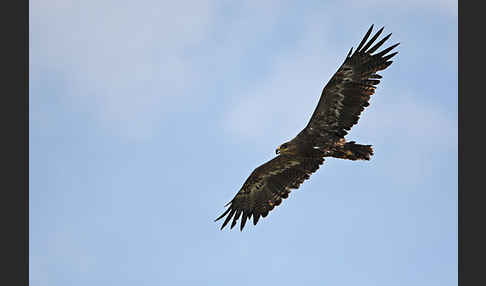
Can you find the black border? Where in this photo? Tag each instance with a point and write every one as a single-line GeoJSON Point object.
{"type": "Point", "coordinates": [15, 143]}
{"type": "Point", "coordinates": [471, 126]}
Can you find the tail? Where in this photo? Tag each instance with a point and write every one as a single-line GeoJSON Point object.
{"type": "Point", "coordinates": [352, 151]}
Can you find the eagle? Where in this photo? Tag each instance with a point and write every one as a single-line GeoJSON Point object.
{"type": "Point", "coordinates": [342, 100]}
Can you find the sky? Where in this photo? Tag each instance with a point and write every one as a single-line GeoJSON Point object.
{"type": "Point", "coordinates": [146, 117]}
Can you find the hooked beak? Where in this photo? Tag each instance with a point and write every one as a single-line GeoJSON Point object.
{"type": "Point", "coordinates": [277, 151]}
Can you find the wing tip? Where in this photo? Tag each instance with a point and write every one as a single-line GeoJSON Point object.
{"type": "Point", "coordinates": [227, 204]}
{"type": "Point", "coordinates": [223, 214]}
{"type": "Point", "coordinates": [349, 53]}
{"type": "Point", "coordinates": [365, 38]}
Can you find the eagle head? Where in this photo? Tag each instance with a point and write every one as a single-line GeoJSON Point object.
{"type": "Point", "coordinates": [284, 148]}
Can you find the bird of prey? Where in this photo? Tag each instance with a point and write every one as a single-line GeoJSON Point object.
{"type": "Point", "coordinates": [342, 100]}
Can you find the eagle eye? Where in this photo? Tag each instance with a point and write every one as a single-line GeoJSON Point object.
{"type": "Point", "coordinates": [283, 146]}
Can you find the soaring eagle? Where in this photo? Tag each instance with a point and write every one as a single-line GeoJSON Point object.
{"type": "Point", "coordinates": [342, 100]}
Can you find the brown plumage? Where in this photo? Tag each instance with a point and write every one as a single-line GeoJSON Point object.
{"type": "Point", "coordinates": [342, 100]}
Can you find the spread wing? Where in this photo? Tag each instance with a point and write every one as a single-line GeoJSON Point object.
{"type": "Point", "coordinates": [267, 186]}
{"type": "Point", "coordinates": [348, 92]}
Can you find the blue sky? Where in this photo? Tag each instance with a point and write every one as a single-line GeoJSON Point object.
{"type": "Point", "coordinates": [146, 117]}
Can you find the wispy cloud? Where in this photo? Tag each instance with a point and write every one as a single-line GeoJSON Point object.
{"type": "Point", "coordinates": [128, 64]}
{"type": "Point", "coordinates": [282, 103]}
{"type": "Point", "coordinates": [448, 7]}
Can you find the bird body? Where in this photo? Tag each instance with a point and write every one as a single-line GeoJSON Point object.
{"type": "Point", "coordinates": [342, 100]}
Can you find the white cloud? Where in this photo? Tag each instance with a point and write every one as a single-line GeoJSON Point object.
{"type": "Point", "coordinates": [448, 7]}
{"type": "Point", "coordinates": [406, 118]}
{"type": "Point", "coordinates": [283, 103]}
{"type": "Point", "coordinates": [123, 60]}
{"type": "Point", "coordinates": [129, 63]}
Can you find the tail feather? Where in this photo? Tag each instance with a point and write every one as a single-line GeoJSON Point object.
{"type": "Point", "coordinates": [352, 151]}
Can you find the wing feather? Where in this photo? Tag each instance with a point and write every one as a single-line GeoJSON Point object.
{"type": "Point", "coordinates": [372, 40]}
{"type": "Point", "coordinates": [267, 186]}
{"type": "Point", "coordinates": [348, 91]}
{"type": "Point", "coordinates": [368, 33]}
